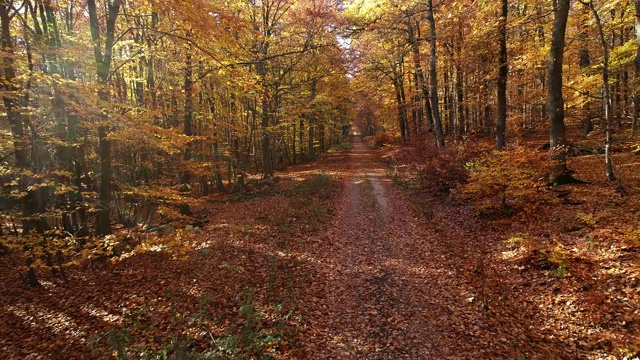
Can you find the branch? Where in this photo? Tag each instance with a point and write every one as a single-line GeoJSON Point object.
{"type": "Point", "coordinates": [128, 60]}
{"type": "Point", "coordinates": [587, 94]}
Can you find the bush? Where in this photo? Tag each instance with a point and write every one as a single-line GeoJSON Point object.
{"type": "Point", "coordinates": [318, 185]}
{"type": "Point", "coordinates": [444, 170]}
{"type": "Point", "coordinates": [508, 179]}
{"type": "Point", "coordinates": [382, 138]}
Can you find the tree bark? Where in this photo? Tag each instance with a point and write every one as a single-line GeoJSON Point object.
{"type": "Point", "coordinates": [188, 116]}
{"type": "Point", "coordinates": [433, 74]}
{"type": "Point", "coordinates": [419, 77]}
{"type": "Point", "coordinates": [585, 61]}
{"type": "Point", "coordinates": [17, 126]}
{"type": "Point", "coordinates": [103, 67]}
{"type": "Point", "coordinates": [401, 109]}
{"type": "Point", "coordinates": [502, 79]}
{"type": "Point", "coordinates": [556, 101]}
{"type": "Point", "coordinates": [607, 95]}
{"type": "Point", "coordinates": [636, 66]}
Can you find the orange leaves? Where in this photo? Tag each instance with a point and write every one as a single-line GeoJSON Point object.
{"type": "Point", "coordinates": [514, 178]}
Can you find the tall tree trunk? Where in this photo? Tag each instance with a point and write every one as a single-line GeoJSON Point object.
{"type": "Point", "coordinates": [556, 101]}
{"type": "Point", "coordinates": [584, 61]}
{"type": "Point", "coordinates": [403, 101]}
{"type": "Point", "coordinates": [16, 124]}
{"type": "Point", "coordinates": [607, 95]}
{"type": "Point", "coordinates": [503, 72]}
{"type": "Point", "coordinates": [188, 117]}
{"type": "Point", "coordinates": [433, 74]}
{"type": "Point", "coordinates": [400, 108]}
{"type": "Point", "coordinates": [446, 102]}
{"type": "Point", "coordinates": [460, 100]}
{"type": "Point", "coordinates": [636, 66]}
{"type": "Point", "coordinates": [10, 98]}
{"type": "Point", "coordinates": [421, 84]}
{"type": "Point", "coordinates": [265, 141]}
{"type": "Point", "coordinates": [103, 66]}
{"type": "Point", "coordinates": [311, 119]}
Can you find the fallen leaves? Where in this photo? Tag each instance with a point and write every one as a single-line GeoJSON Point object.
{"type": "Point", "coordinates": [317, 269]}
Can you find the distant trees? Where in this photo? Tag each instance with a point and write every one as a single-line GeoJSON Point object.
{"type": "Point", "coordinates": [550, 86]}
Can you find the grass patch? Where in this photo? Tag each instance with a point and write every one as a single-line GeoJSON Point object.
{"type": "Point", "coordinates": [304, 205]}
{"type": "Point", "coordinates": [344, 146]}
{"type": "Point", "coordinates": [309, 202]}
{"type": "Point", "coordinates": [257, 332]}
{"type": "Point", "coordinates": [318, 185]}
{"type": "Point", "coordinates": [517, 239]}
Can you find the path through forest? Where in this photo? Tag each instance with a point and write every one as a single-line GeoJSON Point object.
{"type": "Point", "coordinates": [386, 290]}
{"type": "Point", "coordinates": [303, 269]}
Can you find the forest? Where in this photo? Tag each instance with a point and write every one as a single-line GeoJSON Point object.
{"type": "Point", "coordinates": [307, 179]}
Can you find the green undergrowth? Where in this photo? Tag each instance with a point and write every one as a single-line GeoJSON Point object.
{"type": "Point", "coordinates": [259, 331]}
{"type": "Point", "coordinates": [259, 321]}
{"type": "Point", "coordinates": [346, 145]}
{"type": "Point", "coordinates": [309, 203]}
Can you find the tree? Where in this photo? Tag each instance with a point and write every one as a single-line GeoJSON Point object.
{"type": "Point", "coordinates": [11, 104]}
{"type": "Point", "coordinates": [433, 74]}
{"type": "Point", "coordinates": [556, 101]}
{"type": "Point", "coordinates": [606, 91]}
{"type": "Point", "coordinates": [502, 78]}
{"type": "Point", "coordinates": [636, 67]}
{"type": "Point", "coordinates": [103, 59]}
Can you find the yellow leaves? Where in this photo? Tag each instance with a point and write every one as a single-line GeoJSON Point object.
{"type": "Point", "coordinates": [515, 178]}
{"type": "Point", "coordinates": [179, 243]}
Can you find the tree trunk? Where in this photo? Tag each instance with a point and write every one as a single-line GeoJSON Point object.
{"type": "Point", "coordinates": [433, 74]}
{"type": "Point", "coordinates": [188, 117]}
{"type": "Point", "coordinates": [103, 68]}
{"type": "Point", "coordinates": [636, 66]}
{"type": "Point", "coordinates": [556, 101]}
{"type": "Point", "coordinates": [311, 121]}
{"type": "Point", "coordinates": [419, 78]}
{"type": "Point", "coordinates": [17, 127]}
{"type": "Point", "coordinates": [585, 61]}
{"type": "Point", "coordinates": [10, 100]}
{"type": "Point", "coordinates": [265, 141]}
{"type": "Point", "coordinates": [502, 79]}
{"type": "Point", "coordinates": [400, 109]}
{"type": "Point", "coordinates": [607, 95]}
{"type": "Point", "coordinates": [403, 100]}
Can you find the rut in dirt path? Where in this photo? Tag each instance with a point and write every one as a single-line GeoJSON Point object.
{"type": "Point", "coordinates": [377, 289]}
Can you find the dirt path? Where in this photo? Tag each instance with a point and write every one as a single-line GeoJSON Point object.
{"type": "Point", "coordinates": [378, 288]}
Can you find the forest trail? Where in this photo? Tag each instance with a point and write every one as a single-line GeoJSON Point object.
{"type": "Point", "coordinates": [378, 286]}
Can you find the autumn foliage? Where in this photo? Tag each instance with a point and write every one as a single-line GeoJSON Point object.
{"type": "Point", "coordinates": [516, 178]}
{"type": "Point", "coordinates": [187, 179]}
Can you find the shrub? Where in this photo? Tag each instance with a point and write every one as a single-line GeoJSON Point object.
{"type": "Point", "coordinates": [382, 138]}
{"type": "Point", "coordinates": [446, 169]}
{"type": "Point", "coordinates": [508, 179]}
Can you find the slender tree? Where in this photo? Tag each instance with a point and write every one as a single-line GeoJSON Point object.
{"type": "Point", "coordinates": [103, 57]}
{"type": "Point", "coordinates": [606, 91]}
{"type": "Point", "coordinates": [502, 79]}
{"type": "Point", "coordinates": [433, 74]}
{"type": "Point", "coordinates": [636, 66]}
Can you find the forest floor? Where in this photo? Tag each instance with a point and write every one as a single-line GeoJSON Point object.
{"type": "Point", "coordinates": [341, 259]}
